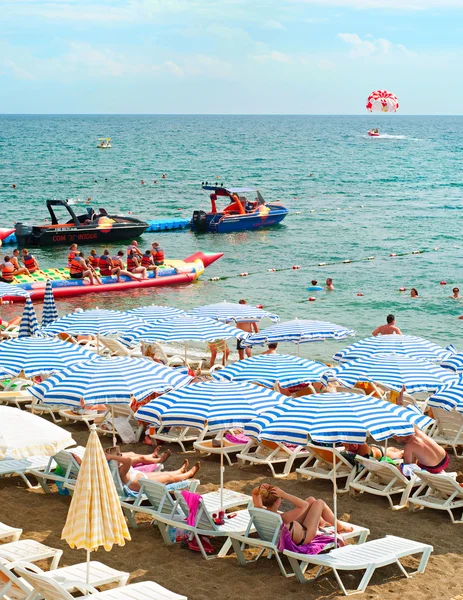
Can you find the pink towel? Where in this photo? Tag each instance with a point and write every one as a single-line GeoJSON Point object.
{"type": "Point", "coordinates": [192, 501]}
{"type": "Point", "coordinates": [238, 438]}
{"type": "Point", "coordinates": [146, 468]}
{"type": "Point", "coordinates": [317, 545]}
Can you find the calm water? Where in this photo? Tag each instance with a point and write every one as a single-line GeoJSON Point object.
{"type": "Point", "coordinates": [367, 197]}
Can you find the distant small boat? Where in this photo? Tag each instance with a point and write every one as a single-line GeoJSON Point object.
{"type": "Point", "coordinates": [373, 133]}
{"type": "Point", "coordinates": [104, 143]}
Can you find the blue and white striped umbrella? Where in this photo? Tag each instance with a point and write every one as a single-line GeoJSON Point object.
{"type": "Point", "coordinates": [37, 355]}
{"type": "Point", "coordinates": [94, 322]}
{"type": "Point", "coordinates": [393, 371]}
{"type": "Point", "coordinates": [299, 331]}
{"type": "Point", "coordinates": [186, 328]}
{"type": "Point", "coordinates": [454, 363]}
{"type": "Point", "coordinates": [29, 324]}
{"type": "Point", "coordinates": [212, 404]}
{"type": "Point", "coordinates": [155, 312]}
{"type": "Point", "coordinates": [267, 369]}
{"type": "Point", "coordinates": [229, 311]}
{"type": "Point", "coordinates": [410, 345]}
{"type": "Point", "coordinates": [449, 397]}
{"type": "Point", "coordinates": [49, 311]}
{"type": "Point", "coordinates": [113, 380]}
{"type": "Point", "coordinates": [334, 418]}
{"type": "Point", "coordinates": [8, 289]}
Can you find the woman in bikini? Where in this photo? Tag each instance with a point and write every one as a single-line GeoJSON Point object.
{"type": "Point", "coordinates": [374, 451]}
{"type": "Point", "coordinates": [304, 520]}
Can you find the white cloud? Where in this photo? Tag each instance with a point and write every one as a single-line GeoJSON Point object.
{"type": "Point", "coordinates": [316, 20]}
{"type": "Point", "coordinates": [370, 46]}
{"type": "Point", "coordinates": [274, 56]}
{"type": "Point", "coordinates": [174, 68]}
{"type": "Point", "coordinates": [406, 5]}
{"type": "Point", "coordinates": [274, 25]}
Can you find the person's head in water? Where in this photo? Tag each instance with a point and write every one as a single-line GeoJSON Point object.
{"type": "Point", "coordinates": [414, 293]}
{"type": "Point", "coordinates": [242, 301]}
{"type": "Point", "coordinates": [390, 319]}
{"type": "Point", "coordinates": [314, 282]}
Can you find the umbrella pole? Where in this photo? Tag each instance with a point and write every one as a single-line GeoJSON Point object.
{"type": "Point", "coordinates": [222, 469]}
{"type": "Point", "coordinates": [335, 500]}
{"type": "Point", "coordinates": [298, 349]}
{"type": "Point", "coordinates": [88, 567]}
{"type": "Point", "coordinates": [98, 344]}
{"type": "Point", "coordinates": [114, 429]}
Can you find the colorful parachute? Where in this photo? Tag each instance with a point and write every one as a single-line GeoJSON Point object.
{"type": "Point", "coordinates": [382, 101]}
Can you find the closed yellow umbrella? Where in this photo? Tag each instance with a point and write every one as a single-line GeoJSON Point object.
{"type": "Point", "coordinates": [95, 517]}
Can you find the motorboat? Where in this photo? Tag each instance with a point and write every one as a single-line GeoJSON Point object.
{"type": "Point", "coordinates": [246, 209]}
{"type": "Point", "coordinates": [104, 143]}
{"type": "Point", "coordinates": [373, 133]}
{"type": "Point", "coordinates": [89, 228]}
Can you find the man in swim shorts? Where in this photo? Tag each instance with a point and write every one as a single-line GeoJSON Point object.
{"type": "Point", "coordinates": [421, 449]}
{"type": "Point", "coordinates": [249, 327]}
{"type": "Point", "coordinates": [387, 329]}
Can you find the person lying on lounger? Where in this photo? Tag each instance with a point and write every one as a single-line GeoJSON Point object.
{"type": "Point", "coordinates": [304, 520]}
{"type": "Point", "coordinates": [141, 459]}
{"type": "Point", "coordinates": [421, 449]}
{"type": "Point", "coordinates": [374, 451]}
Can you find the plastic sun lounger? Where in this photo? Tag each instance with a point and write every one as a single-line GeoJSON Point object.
{"type": "Point", "coordinates": [439, 491]}
{"type": "Point", "coordinates": [9, 532]}
{"type": "Point", "coordinates": [16, 397]}
{"type": "Point", "coordinates": [365, 557]}
{"type": "Point", "coordinates": [226, 448]}
{"type": "Point", "coordinates": [115, 348]}
{"type": "Point", "coordinates": [383, 479]}
{"type": "Point", "coordinates": [179, 435]}
{"type": "Point", "coordinates": [268, 527]}
{"type": "Point", "coordinates": [322, 468]}
{"type": "Point", "coordinates": [99, 574]}
{"type": "Point", "coordinates": [119, 411]}
{"type": "Point", "coordinates": [67, 463]}
{"type": "Point", "coordinates": [53, 590]}
{"type": "Point", "coordinates": [448, 429]}
{"type": "Point", "coordinates": [10, 467]}
{"type": "Point", "coordinates": [263, 454]}
{"type": "Point", "coordinates": [30, 551]}
{"type": "Point", "coordinates": [37, 407]}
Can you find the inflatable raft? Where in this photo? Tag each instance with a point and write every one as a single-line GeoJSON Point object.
{"type": "Point", "coordinates": [174, 272]}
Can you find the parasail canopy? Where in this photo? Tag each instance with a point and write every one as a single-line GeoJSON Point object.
{"type": "Point", "coordinates": [382, 101]}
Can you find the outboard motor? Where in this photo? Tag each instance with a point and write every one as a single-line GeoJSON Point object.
{"type": "Point", "coordinates": [199, 222]}
{"type": "Point", "coordinates": [23, 233]}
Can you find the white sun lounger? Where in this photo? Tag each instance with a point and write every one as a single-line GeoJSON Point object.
{"type": "Point", "coordinates": [37, 407]}
{"type": "Point", "coordinates": [16, 398]}
{"type": "Point", "coordinates": [319, 465]}
{"type": "Point", "coordinates": [381, 478]}
{"type": "Point", "coordinates": [67, 463]}
{"type": "Point", "coordinates": [114, 347]}
{"type": "Point", "coordinates": [448, 429]}
{"type": "Point", "coordinates": [180, 436]}
{"type": "Point", "coordinates": [267, 525]}
{"type": "Point", "coordinates": [51, 589]}
{"type": "Point", "coordinates": [226, 448]}
{"type": "Point", "coordinates": [365, 557]}
{"type": "Point", "coordinates": [10, 467]}
{"type": "Point", "coordinates": [9, 532]}
{"type": "Point", "coordinates": [439, 491]}
{"type": "Point", "coordinates": [127, 417]}
{"type": "Point", "coordinates": [30, 551]}
{"type": "Point", "coordinates": [68, 577]}
{"type": "Point", "coordinates": [282, 454]}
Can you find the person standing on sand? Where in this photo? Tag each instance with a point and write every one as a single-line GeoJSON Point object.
{"type": "Point", "coordinates": [387, 329]}
{"type": "Point", "coordinates": [249, 327]}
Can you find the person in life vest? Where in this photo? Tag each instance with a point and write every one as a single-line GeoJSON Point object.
{"type": "Point", "coordinates": [18, 270]}
{"type": "Point", "coordinates": [78, 269]}
{"type": "Point", "coordinates": [7, 269]}
{"type": "Point", "coordinates": [133, 266]}
{"type": "Point", "coordinates": [93, 260]}
{"type": "Point", "coordinates": [157, 253]}
{"type": "Point", "coordinates": [29, 261]}
{"type": "Point", "coordinates": [72, 253]}
{"type": "Point", "coordinates": [148, 262]}
{"type": "Point", "coordinates": [134, 249]}
{"type": "Point", "coordinates": [118, 265]}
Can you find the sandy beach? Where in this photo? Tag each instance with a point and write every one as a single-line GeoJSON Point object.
{"type": "Point", "coordinates": [42, 518]}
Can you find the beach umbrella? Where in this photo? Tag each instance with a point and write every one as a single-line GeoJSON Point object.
{"type": "Point", "coordinates": [23, 434]}
{"type": "Point", "coordinates": [449, 397]}
{"type": "Point", "coordinates": [108, 380]}
{"type": "Point", "coordinates": [299, 331]}
{"type": "Point", "coordinates": [410, 345]}
{"type": "Point", "coordinates": [49, 311]}
{"type": "Point", "coordinates": [393, 371]}
{"type": "Point", "coordinates": [95, 516]}
{"type": "Point", "coordinates": [37, 355]}
{"type": "Point", "coordinates": [268, 369]}
{"type": "Point", "coordinates": [229, 311]}
{"type": "Point", "coordinates": [29, 325]}
{"type": "Point", "coordinates": [214, 405]}
{"type": "Point", "coordinates": [454, 363]}
{"type": "Point", "coordinates": [155, 312]}
{"type": "Point", "coordinates": [94, 322]}
{"type": "Point", "coordinates": [8, 289]}
{"type": "Point", "coordinates": [332, 419]}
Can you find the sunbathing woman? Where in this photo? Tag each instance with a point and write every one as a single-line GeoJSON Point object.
{"type": "Point", "coordinates": [131, 476]}
{"type": "Point", "coordinates": [374, 451]}
{"type": "Point", "coordinates": [304, 520]}
{"type": "Point", "coordinates": [143, 459]}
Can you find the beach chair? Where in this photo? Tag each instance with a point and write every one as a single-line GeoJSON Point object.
{"type": "Point", "coordinates": [9, 332]}
{"type": "Point", "coordinates": [124, 423]}
{"type": "Point", "coordinates": [224, 447]}
{"type": "Point", "coordinates": [67, 464]}
{"type": "Point", "coordinates": [382, 478]}
{"type": "Point", "coordinates": [51, 589]}
{"type": "Point", "coordinates": [16, 398]}
{"type": "Point", "coordinates": [271, 454]}
{"type": "Point", "coordinates": [365, 557]}
{"type": "Point", "coordinates": [180, 435]}
{"type": "Point", "coordinates": [68, 577]}
{"type": "Point", "coordinates": [30, 551]}
{"type": "Point", "coordinates": [448, 429]}
{"type": "Point", "coordinates": [9, 532]}
{"type": "Point", "coordinates": [88, 416]}
{"type": "Point", "coordinates": [115, 347]}
{"type": "Point", "coordinates": [319, 465]}
{"type": "Point", "coordinates": [37, 407]}
{"type": "Point", "coordinates": [441, 492]}
{"type": "Point", "coordinates": [10, 467]}
{"type": "Point", "coordinates": [267, 526]}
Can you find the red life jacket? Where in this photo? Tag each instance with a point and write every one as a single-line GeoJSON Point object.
{"type": "Point", "coordinates": [158, 255]}
{"type": "Point", "coordinates": [93, 260]}
{"type": "Point", "coordinates": [105, 265]}
{"type": "Point", "coordinates": [7, 271]}
{"type": "Point", "coordinates": [130, 263]}
{"type": "Point", "coordinates": [76, 266]}
{"type": "Point", "coordinates": [146, 260]}
{"type": "Point", "coordinates": [29, 263]}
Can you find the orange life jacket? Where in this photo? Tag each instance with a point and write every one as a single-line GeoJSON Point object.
{"type": "Point", "coordinates": [29, 263]}
{"type": "Point", "coordinates": [158, 255]}
{"type": "Point", "coordinates": [7, 271]}
{"type": "Point", "coordinates": [72, 254]}
{"type": "Point", "coordinates": [105, 264]}
{"type": "Point", "coordinates": [146, 260]}
{"type": "Point", "coordinates": [131, 265]}
{"type": "Point", "coordinates": [76, 266]}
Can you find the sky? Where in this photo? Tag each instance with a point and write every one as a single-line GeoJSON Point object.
{"type": "Point", "coordinates": [229, 56]}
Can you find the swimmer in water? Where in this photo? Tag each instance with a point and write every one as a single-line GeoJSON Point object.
{"type": "Point", "coordinates": [456, 294]}
{"type": "Point", "coordinates": [414, 293]}
{"type": "Point", "coordinates": [329, 284]}
{"type": "Point", "coordinates": [314, 283]}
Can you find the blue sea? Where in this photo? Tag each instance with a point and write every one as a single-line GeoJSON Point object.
{"type": "Point", "coordinates": [351, 197]}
